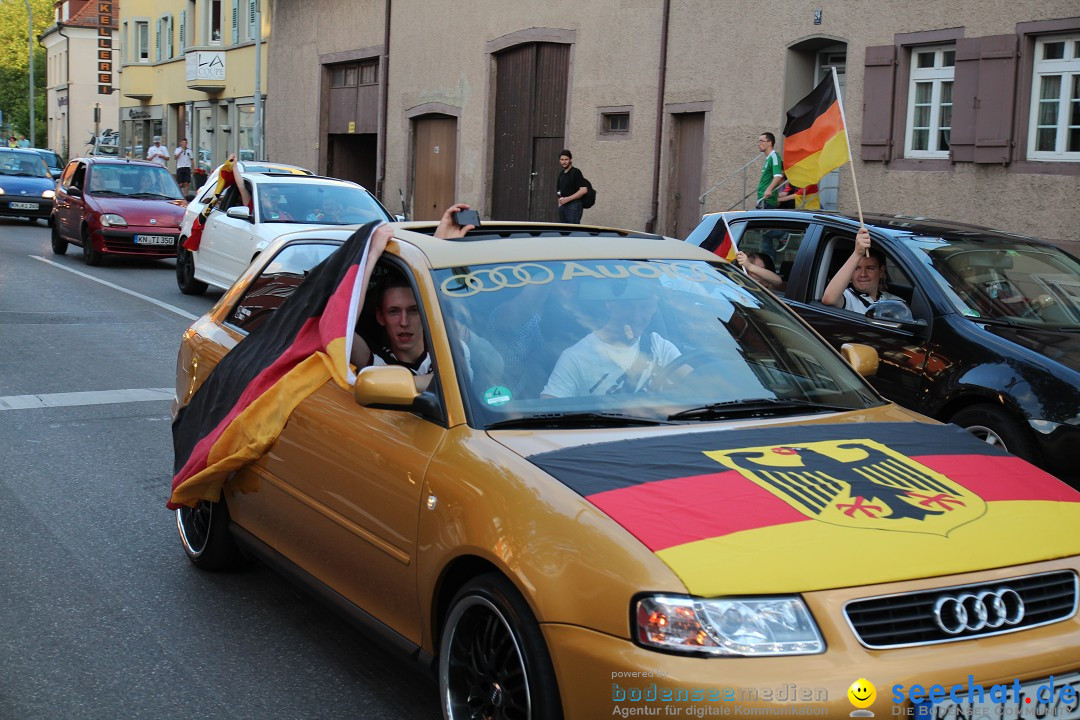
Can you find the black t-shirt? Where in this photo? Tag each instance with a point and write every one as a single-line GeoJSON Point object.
{"type": "Point", "coordinates": [570, 181]}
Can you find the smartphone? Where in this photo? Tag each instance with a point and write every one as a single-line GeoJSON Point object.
{"type": "Point", "coordinates": [467, 217]}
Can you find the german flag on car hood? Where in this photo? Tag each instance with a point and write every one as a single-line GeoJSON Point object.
{"type": "Point", "coordinates": [241, 407]}
{"type": "Point", "coordinates": [810, 507]}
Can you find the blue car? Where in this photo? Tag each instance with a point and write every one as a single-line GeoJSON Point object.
{"type": "Point", "coordinates": [27, 187]}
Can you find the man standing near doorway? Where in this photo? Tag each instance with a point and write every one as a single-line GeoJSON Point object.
{"type": "Point", "coordinates": [158, 154]}
{"type": "Point", "coordinates": [772, 173]}
{"type": "Point", "coordinates": [571, 189]}
{"type": "Point", "coordinates": [183, 166]}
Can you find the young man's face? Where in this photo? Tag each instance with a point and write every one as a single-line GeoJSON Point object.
{"type": "Point", "coordinates": [400, 315]}
{"type": "Point", "coordinates": [763, 144]}
{"type": "Point", "coordinates": [867, 276]}
{"type": "Point", "coordinates": [564, 161]}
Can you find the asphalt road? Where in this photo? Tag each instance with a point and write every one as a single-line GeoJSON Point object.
{"type": "Point", "coordinates": [101, 615]}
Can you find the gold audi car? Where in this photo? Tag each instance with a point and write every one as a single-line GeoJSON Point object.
{"type": "Point", "coordinates": [582, 472]}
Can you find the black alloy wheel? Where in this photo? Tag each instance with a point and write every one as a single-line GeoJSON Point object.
{"type": "Point", "coordinates": [185, 272]}
{"type": "Point", "coordinates": [493, 662]}
{"type": "Point", "coordinates": [204, 533]}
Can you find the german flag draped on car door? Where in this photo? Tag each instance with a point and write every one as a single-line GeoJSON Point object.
{"type": "Point", "coordinates": [244, 403]}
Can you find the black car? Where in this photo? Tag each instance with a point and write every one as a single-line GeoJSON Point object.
{"type": "Point", "coordinates": [992, 340]}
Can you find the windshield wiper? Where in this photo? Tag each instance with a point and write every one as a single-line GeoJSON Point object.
{"type": "Point", "coordinates": [754, 407]}
{"type": "Point", "coordinates": [150, 195]}
{"type": "Point", "coordinates": [110, 193]}
{"type": "Point", "coordinates": [574, 419]}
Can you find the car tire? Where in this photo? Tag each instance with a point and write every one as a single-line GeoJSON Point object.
{"type": "Point", "coordinates": [204, 533]}
{"type": "Point", "coordinates": [59, 244]}
{"type": "Point", "coordinates": [91, 256]}
{"type": "Point", "coordinates": [185, 273]}
{"type": "Point", "coordinates": [995, 426]}
{"type": "Point", "coordinates": [493, 661]}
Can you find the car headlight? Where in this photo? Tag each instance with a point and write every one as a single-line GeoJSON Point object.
{"type": "Point", "coordinates": [113, 220]}
{"type": "Point", "coordinates": [49, 194]}
{"type": "Point", "coordinates": [1, 191]}
{"type": "Point", "coordinates": [727, 627]}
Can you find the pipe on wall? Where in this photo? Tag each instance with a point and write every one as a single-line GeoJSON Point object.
{"type": "Point", "coordinates": [650, 226]}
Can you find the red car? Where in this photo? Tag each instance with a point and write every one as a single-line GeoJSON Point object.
{"type": "Point", "coordinates": [112, 206]}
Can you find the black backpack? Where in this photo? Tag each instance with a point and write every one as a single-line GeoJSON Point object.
{"type": "Point", "coordinates": [589, 198]}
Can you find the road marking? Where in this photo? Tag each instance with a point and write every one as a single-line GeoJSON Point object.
{"type": "Point", "coordinates": [165, 306]}
{"type": "Point", "coordinates": [92, 397]}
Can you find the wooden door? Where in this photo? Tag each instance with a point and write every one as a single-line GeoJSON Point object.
{"type": "Point", "coordinates": [434, 165]}
{"type": "Point", "coordinates": [683, 210]}
{"type": "Point", "coordinates": [530, 121]}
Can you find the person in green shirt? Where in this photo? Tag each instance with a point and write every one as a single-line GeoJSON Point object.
{"type": "Point", "coordinates": [772, 173]}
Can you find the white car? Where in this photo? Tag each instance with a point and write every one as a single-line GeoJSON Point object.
{"type": "Point", "coordinates": [198, 200]}
{"type": "Point", "coordinates": [234, 234]}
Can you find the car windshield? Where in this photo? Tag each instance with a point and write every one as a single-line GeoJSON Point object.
{"type": "Point", "coordinates": [23, 164]}
{"type": "Point", "coordinates": [132, 180]}
{"type": "Point", "coordinates": [51, 158]}
{"type": "Point", "coordinates": [632, 341]}
{"type": "Point", "coordinates": [315, 203]}
{"type": "Point", "coordinates": [1005, 279]}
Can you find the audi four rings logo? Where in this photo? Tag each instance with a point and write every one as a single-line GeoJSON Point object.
{"type": "Point", "coordinates": [987, 609]}
{"type": "Point", "coordinates": [497, 278]}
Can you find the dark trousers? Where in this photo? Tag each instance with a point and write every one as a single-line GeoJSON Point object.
{"type": "Point", "coordinates": [571, 212]}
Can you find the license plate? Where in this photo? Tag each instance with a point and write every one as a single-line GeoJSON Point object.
{"type": "Point", "coordinates": [1031, 705]}
{"type": "Point", "coordinates": [22, 206]}
{"type": "Point", "coordinates": [154, 240]}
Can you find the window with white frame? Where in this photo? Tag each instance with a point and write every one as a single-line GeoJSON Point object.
{"type": "Point", "coordinates": [929, 113]}
{"type": "Point", "coordinates": [1054, 133]}
{"type": "Point", "coordinates": [214, 17]}
{"type": "Point", "coordinates": [142, 41]}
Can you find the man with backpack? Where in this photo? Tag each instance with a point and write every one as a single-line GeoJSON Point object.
{"type": "Point", "coordinates": [571, 190]}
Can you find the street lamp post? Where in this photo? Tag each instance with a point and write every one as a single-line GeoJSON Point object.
{"type": "Point", "coordinates": [30, 50]}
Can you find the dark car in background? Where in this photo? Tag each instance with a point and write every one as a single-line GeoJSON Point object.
{"type": "Point", "coordinates": [52, 160]}
{"type": "Point", "coordinates": [111, 206]}
{"type": "Point", "coordinates": [992, 341]}
{"type": "Point", "coordinates": [26, 187]}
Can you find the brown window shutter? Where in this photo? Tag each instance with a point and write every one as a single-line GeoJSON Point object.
{"type": "Point", "coordinates": [878, 83]}
{"type": "Point", "coordinates": [994, 99]}
{"type": "Point", "coordinates": [965, 85]}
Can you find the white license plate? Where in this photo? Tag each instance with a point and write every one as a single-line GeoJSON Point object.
{"type": "Point", "coordinates": [1030, 704]}
{"type": "Point", "coordinates": [22, 206]}
{"type": "Point", "coordinates": [154, 240]}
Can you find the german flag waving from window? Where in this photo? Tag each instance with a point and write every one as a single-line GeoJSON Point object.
{"type": "Point", "coordinates": [242, 406]}
{"type": "Point", "coordinates": [815, 136]}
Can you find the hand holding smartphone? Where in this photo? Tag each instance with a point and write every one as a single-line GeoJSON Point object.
{"type": "Point", "coordinates": [467, 217]}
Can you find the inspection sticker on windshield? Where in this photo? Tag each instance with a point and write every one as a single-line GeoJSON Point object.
{"type": "Point", "coordinates": [497, 395]}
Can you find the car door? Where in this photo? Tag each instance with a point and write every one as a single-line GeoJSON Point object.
{"type": "Point", "coordinates": [69, 206]}
{"type": "Point", "coordinates": [227, 243]}
{"type": "Point", "coordinates": [902, 347]}
{"type": "Point", "coordinates": [350, 480]}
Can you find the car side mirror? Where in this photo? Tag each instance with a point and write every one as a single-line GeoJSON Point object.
{"type": "Point", "coordinates": [863, 358]}
{"type": "Point", "coordinates": [894, 313]}
{"type": "Point", "coordinates": [189, 197]}
{"type": "Point", "coordinates": [240, 212]}
{"type": "Point", "coordinates": [74, 192]}
{"type": "Point", "coordinates": [385, 386]}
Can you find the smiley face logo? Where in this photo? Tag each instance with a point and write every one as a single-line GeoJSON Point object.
{"type": "Point", "coordinates": [862, 693]}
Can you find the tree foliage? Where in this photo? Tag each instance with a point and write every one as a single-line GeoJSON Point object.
{"type": "Point", "coordinates": [14, 66]}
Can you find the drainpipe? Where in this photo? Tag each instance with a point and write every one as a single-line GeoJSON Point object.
{"type": "Point", "coordinates": [258, 129]}
{"type": "Point", "coordinates": [384, 76]}
{"type": "Point", "coordinates": [67, 78]}
{"type": "Point", "coordinates": [651, 224]}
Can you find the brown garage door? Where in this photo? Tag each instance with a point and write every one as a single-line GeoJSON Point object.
{"type": "Point", "coordinates": [434, 164]}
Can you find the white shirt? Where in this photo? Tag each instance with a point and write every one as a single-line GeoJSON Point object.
{"type": "Point", "coordinates": [158, 154]}
{"type": "Point", "coordinates": [183, 157]}
{"type": "Point", "coordinates": [594, 367]}
{"type": "Point", "coordinates": [859, 303]}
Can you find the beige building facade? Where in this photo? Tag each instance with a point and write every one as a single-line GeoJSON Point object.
{"type": "Point", "coordinates": [188, 69]}
{"type": "Point", "coordinates": [81, 99]}
{"type": "Point", "coordinates": [966, 111]}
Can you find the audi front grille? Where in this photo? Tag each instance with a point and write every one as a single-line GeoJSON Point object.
{"type": "Point", "coordinates": [963, 611]}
